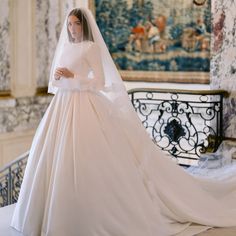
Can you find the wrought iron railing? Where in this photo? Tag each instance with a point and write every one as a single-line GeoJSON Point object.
{"type": "Point", "coordinates": [11, 177]}
{"type": "Point", "coordinates": [185, 123]}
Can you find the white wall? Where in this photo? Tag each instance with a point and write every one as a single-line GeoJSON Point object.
{"type": "Point", "coordinates": [14, 144]}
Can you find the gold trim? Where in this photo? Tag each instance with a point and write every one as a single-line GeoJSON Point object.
{"type": "Point", "coordinates": [199, 2]}
{"type": "Point", "coordinates": [42, 91]}
{"type": "Point", "coordinates": [229, 139]}
{"type": "Point", "coordinates": [91, 6]}
{"type": "Point", "coordinates": [5, 94]}
{"type": "Point", "coordinates": [164, 77]}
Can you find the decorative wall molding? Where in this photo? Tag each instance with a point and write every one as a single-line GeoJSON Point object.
{"type": "Point", "coordinates": [22, 48]}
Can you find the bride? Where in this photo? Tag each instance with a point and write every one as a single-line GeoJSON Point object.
{"type": "Point", "coordinates": [92, 168]}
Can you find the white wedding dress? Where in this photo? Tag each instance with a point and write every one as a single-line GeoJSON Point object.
{"type": "Point", "coordinates": [91, 172]}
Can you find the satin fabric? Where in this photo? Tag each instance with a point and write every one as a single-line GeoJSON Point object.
{"type": "Point", "coordinates": [94, 172]}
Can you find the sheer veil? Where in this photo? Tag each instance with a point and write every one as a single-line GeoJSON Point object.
{"type": "Point", "coordinates": [114, 88]}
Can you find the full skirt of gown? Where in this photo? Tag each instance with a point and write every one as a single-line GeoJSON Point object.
{"type": "Point", "coordinates": [90, 172]}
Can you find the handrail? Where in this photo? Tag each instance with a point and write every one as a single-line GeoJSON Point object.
{"type": "Point", "coordinates": [182, 91]}
{"type": "Point", "coordinates": [21, 157]}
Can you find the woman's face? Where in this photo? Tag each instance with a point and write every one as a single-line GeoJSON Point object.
{"type": "Point", "coordinates": [75, 28]}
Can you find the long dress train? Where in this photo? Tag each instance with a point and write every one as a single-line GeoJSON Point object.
{"type": "Point", "coordinates": [92, 172]}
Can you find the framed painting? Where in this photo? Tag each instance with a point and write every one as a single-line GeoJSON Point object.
{"type": "Point", "coordinates": [157, 41]}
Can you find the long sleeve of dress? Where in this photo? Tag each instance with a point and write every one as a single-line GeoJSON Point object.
{"type": "Point", "coordinates": [85, 62]}
{"type": "Point", "coordinates": [94, 60]}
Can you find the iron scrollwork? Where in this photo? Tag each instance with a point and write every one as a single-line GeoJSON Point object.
{"type": "Point", "coordinates": [181, 122]}
{"type": "Point", "coordinates": [10, 181]}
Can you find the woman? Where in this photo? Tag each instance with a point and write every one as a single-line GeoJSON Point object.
{"type": "Point", "coordinates": [92, 168]}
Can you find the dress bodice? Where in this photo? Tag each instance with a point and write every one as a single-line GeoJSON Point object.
{"type": "Point", "coordinates": [83, 60]}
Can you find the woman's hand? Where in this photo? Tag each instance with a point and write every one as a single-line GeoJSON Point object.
{"type": "Point", "coordinates": [63, 72]}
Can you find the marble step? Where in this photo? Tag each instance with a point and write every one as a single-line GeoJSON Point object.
{"type": "Point", "coordinates": [6, 230]}
{"type": "Point", "coordinates": [5, 219]}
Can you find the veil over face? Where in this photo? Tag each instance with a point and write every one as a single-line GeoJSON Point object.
{"type": "Point", "coordinates": [77, 21]}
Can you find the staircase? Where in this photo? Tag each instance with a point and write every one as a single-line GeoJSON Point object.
{"type": "Point", "coordinates": [184, 123]}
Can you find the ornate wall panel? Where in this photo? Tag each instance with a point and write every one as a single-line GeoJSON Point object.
{"type": "Point", "coordinates": [50, 16]}
{"type": "Point", "coordinates": [4, 46]}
